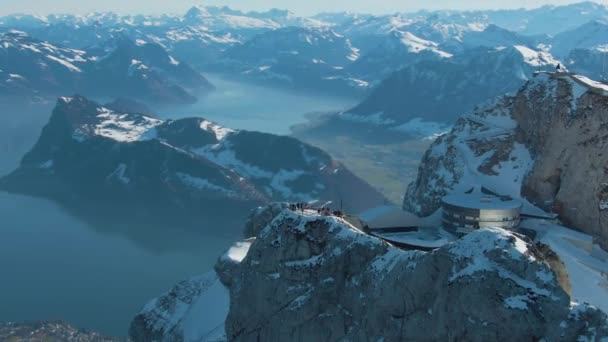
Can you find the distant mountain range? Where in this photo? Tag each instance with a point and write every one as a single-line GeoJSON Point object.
{"type": "Point", "coordinates": [115, 68]}
{"type": "Point", "coordinates": [381, 57]}
{"type": "Point", "coordinates": [439, 90]}
{"type": "Point", "coordinates": [176, 173]}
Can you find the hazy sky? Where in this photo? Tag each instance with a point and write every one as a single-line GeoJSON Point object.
{"type": "Point", "coordinates": [303, 7]}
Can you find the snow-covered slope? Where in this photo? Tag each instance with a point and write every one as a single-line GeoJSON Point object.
{"type": "Point", "coordinates": [194, 310]}
{"type": "Point", "coordinates": [310, 277]}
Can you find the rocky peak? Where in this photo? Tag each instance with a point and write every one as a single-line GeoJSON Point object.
{"type": "Point", "coordinates": [306, 276]}
{"type": "Point", "coordinates": [544, 145]}
{"type": "Point", "coordinates": [327, 280]}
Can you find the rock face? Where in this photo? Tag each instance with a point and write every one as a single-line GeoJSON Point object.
{"type": "Point", "coordinates": [545, 144]}
{"type": "Point", "coordinates": [175, 172]}
{"type": "Point", "coordinates": [307, 277]}
{"type": "Point", "coordinates": [194, 310]}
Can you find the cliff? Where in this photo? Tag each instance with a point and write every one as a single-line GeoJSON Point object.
{"type": "Point", "coordinates": [545, 145]}
{"type": "Point", "coordinates": [308, 277]}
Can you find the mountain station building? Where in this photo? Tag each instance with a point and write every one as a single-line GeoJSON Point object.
{"type": "Point", "coordinates": [467, 212]}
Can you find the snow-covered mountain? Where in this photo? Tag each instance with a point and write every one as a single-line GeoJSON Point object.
{"type": "Point", "coordinates": [592, 35]}
{"type": "Point", "coordinates": [544, 145]}
{"type": "Point", "coordinates": [545, 20]}
{"type": "Point", "coordinates": [123, 68]}
{"type": "Point", "coordinates": [590, 62]}
{"type": "Point", "coordinates": [145, 60]}
{"type": "Point", "coordinates": [304, 276]}
{"type": "Point", "coordinates": [549, 20]}
{"type": "Point", "coordinates": [490, 36]}
{"type": "Point", "coordinates": [393, 52]}
{"type": "Point", "coordinates": [441, 90]}
{"type": "Point", "coordinates": [305, 58]}
{"type": "Point", "coordinates": [348, 54]}
{"type": "Point", "coordinates": [187, 172]}
{"type": "Point", "coordinates": [224, 18]}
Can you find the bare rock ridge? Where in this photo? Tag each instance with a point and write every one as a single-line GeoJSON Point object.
{"type": "Point", "coordinates": [545, 144]}
{"type": "Point", "coordinates": [307, 277]}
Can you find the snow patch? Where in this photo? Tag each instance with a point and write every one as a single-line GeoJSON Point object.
{"type": "Point", "coordinates": [536, 58]}
{"type": "Point", "coordinates": [238, 251]}
{"type": "Point", "coordinates": [219, 131]}
{"type": "Point", "coordinates": [122, 127]}
{"type": "Point", "coordinates": [65, 63]}
{"type": "Point", "coordinates": [119, 174]}
{"type": "Point", "coordinates": [204, 184]}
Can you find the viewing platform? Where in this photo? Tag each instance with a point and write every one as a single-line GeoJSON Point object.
{"type": "Point", "coordinates": [597, 87]}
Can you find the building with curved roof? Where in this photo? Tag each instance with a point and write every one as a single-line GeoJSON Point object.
{"type": "Point", "coordinates": [467, 212]}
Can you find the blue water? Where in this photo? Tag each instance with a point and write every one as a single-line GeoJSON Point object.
{"type": "Point", "coordinates": [57, 267]}
{"type": "Point", "coordinates": [255, 108]}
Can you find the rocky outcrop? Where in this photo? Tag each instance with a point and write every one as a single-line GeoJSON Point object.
{"type": "Point", "coordinates": [194, 310]}
{"type": "Point", "coordinates": [308, 277]}
{"type": "Point", "coordinates": [545, 144]}
{"type": "Point", "coordinates": [49, 331]}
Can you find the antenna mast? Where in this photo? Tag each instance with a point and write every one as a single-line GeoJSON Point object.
{"type": "Point", "coordinates": [604, 67]}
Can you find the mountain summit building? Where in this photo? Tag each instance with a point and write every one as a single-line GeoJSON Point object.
{"type": "Point", "coordinates": [467, 212]}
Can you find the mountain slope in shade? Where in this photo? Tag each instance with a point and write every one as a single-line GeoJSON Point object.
{"type": "Point", "coordinates": [544, 145]}
{"type": "Point", "coordinates": [590, 62]}
{"type": "Point", "coordinates": [188, 172]}
{"type": "Point", "coordinates": [304, 58]}
{"type": "Point", "coordinates": [592, 35]}
{"type": "Point", "coordinates": [393, 52]}
{"type": "Point", "coordinates": [441, 90]}
{"type": "Point", "coordinates": [122, 68]}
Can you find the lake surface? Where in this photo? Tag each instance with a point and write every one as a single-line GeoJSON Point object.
{"type": "Point", "coordinates": [255, 108]}
{"type": "Point", "coordinates": [57, 267]}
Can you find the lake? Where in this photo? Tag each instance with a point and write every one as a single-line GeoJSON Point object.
{"type": "Point", "coordinates": [56, 267]}
{"type": "Point", "coordinates": [250, 107]}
